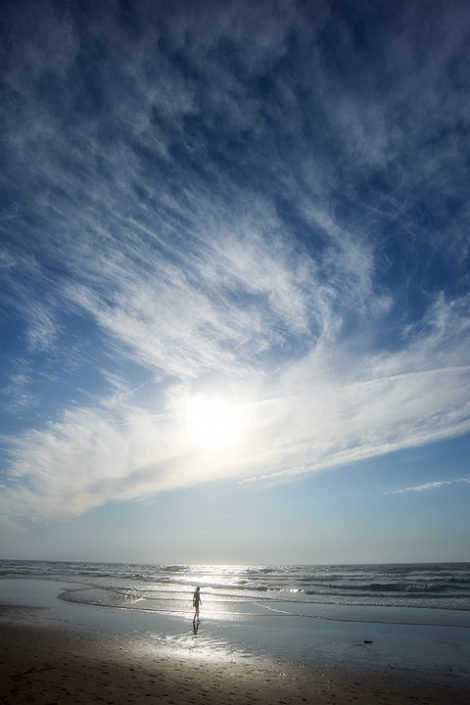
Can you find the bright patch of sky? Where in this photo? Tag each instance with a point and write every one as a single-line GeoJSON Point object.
{"type": "Point", "coordinates": [234, 254]}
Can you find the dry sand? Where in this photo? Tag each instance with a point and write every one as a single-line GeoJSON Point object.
{"type": "Point", "coordinates": [54, 666]}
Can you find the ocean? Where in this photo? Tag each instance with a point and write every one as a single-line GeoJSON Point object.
{"type": "Point", "coordinates": [409, 617]}
{"type": "Point", "coordinates": [231, 590]}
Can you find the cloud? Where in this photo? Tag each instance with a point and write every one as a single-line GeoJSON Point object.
{"type": "Point", "coordinates": [42, 329]}
{"type": "Point", "coordinates": [317, 415]}
{"type": "Point", "coordinates": [433, 485]}
{"type": "Point", "coordinates": [189, 208]}
{"type": "Point", "coordinates": [16, 394]}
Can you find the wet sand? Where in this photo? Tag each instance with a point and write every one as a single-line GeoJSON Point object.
{"type": "Point", "coordinates": [55, 665]}
{"type": "Point", "coordinates": [53, 652]}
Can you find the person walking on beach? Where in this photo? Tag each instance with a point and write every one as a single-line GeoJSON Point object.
{"type": "Point", "coordinates": [196, 602]}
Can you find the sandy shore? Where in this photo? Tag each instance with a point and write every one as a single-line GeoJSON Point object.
{"type": "Point", "coordinates": [56, 666]}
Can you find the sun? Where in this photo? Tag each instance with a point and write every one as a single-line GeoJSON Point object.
{"type": "Point", "coordinates": [212, 423]}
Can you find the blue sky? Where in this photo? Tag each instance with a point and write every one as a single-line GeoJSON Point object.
{"type": "Point", "coordinates": [234, 252]}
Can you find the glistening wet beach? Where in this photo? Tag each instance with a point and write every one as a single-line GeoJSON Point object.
{"type": "Point", "coordinates": [76, 652]}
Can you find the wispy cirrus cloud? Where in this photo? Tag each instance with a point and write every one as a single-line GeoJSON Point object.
{"type": "Point", "coordinates": [437, 484]}
{"type": "Point", "coordinates": [187, 203]}
{"type": "Point", "coordinates": [309, 420]}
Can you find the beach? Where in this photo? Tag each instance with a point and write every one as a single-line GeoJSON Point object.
{"type": "Point", "coordinates": [47, 666]}
{"type": "Point", "coordinates": [54, 651]}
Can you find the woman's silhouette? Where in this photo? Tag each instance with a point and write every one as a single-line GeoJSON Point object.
{"type": "Point", "coordinates": [196, 602]}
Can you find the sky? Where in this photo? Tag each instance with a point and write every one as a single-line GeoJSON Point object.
{"type": "Point", "coordinates": [235, 281]}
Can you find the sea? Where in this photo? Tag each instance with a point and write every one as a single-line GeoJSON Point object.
{"type": "Point", "coordinates": [264, 590]}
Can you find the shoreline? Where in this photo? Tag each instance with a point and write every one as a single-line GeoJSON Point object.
{"type": "Point", "coordinates": [57, 652]}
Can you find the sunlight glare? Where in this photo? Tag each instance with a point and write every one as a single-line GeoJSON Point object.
{"type": "Point", "coordinates": [212, 423]}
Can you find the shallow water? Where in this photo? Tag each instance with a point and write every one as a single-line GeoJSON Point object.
{"type": "Point", "coordinates": [362, 636]}
{"type": "Point", "coordinates": [236, 589]}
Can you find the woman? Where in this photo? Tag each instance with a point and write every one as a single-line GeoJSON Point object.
{"type": "Point", "coordinates": [196, 602]}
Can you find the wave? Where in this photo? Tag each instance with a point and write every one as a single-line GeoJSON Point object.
{"type": "Point", "coordinates": [446, 585]}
